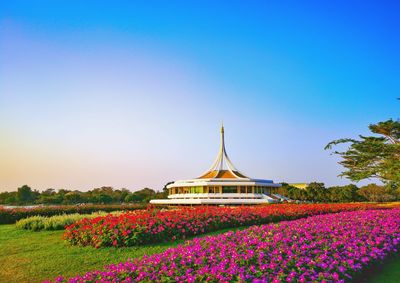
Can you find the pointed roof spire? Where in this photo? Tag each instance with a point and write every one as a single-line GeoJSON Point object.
{"type": "Point", "coordinates": [217, 170]}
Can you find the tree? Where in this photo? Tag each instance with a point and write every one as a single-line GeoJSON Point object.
{"type": "Point", "coordinates": [72, 197]}
{"type": "Point", "coordinates": [344, 193]}
{"type": "Point", "coordinates": [373, 192]}
{"type": "Point", "coordinates": [292, 192]}
{"type": "Point", "coordinates": [103, 198]}
{"type": "Point", "coordinates": [25, 195]}
{"type": "Point", "coordinates": [373, 156]}
{"type": "Point", "coordinates": [316, 192]}
{"type": "Point", "coordinates": [143, 195]}
{"type": "Point", "coordinates": [123, 194]}
{"type": "Point", "coordinates": [8, 198]}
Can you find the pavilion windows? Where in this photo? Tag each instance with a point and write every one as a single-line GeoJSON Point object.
{"type": "Point", "coordinates": [196, 190]}
{"type": "Point", "coordinates": [213, 190]}
{"type": "Point", "coordinates": [242, 189]}
{"type": "Point", "coordinates": [229, 189]}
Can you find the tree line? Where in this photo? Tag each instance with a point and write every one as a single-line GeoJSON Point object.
{"type": "Point", "coordinates": [104, 195]}
{"type": "Point", "coordinates": [314, 192]}
{"type": "Point", "coordinates": [317, 192]}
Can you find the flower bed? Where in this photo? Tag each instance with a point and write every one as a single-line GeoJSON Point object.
{"type": "Point", "coordinates": [150, 226]}
{"type": "Point", "coordinates": [323, 248]}
{"type": "Point", "coordinates": [9, 216]}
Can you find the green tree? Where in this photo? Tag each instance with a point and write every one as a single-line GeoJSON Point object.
{"type": "Point", "coordinates": [124, 192]}
{"type": "Point", "coordinates": [344, 193]}
{"type": "Point", "coordinates": [373, 156]}
{"type": "Point", "coordinates": [316, 192]}
{"type": "Point", "coordinates": [72, 197]}
{"type": "Point", "coordinates": [104, 198]}
{"type": "Point", "coordinates": [8, 198]}
{"type": "Point", "coordinates": [25, 195]}
{"type": "Point", "coordinates": [375, 193]}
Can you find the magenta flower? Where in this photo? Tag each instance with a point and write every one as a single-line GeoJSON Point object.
{"type": "Point", "coordinates": [324, 248]}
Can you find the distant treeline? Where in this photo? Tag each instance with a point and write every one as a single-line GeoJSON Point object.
{"type": "Point", "coordinates": [317, 192]}
{"type": "Point", "coordinates": [314, 192]}
{"type": "Point", "coordinates": [104, 195]}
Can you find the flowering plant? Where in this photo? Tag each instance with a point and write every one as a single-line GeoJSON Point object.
{"type": "Point", "coordinates": [150, 226]}
{"type": "Point", "coordinates": [323, 248]}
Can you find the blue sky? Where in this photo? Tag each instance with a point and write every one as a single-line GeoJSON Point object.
{"type": "Point", "coordinates": [132, 94]}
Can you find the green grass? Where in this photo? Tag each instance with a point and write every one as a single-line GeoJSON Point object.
{"type": "Point", "coordinates": [27, 256]}
{"type": "Point", "coordinates": [390, 272]}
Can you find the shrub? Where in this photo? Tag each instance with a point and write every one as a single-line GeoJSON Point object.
{"type": "Point", "coordinates": [56, 222]}
{"type": "Point", "coordinates": [34, 223]}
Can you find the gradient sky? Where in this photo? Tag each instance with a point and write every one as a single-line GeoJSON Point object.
{"type": "Point", "coordinates": [132, 93]}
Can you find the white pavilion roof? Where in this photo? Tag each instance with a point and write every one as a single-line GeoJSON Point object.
{"type": "Point", "coordinates": [222, 172]}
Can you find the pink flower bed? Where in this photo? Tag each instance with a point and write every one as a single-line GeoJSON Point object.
{"type": "Point", "coordinates": [323, 248]}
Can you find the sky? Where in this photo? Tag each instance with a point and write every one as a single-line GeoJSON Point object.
{"type": "Point", "coordinates": [131, 94]}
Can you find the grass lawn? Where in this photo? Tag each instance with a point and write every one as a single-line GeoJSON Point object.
{"type": "Point", "coordinates": [27, 256]}
{"type": "Point", "coordinates": [390, 272]}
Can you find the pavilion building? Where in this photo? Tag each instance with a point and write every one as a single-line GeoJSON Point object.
{"type": "Point", "coordinates": [222, 184]}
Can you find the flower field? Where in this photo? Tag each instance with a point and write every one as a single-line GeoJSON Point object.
{"type": "Point", "coordinates": [152, 226]}
{"type": "Point", "coordinates": [323, 248]}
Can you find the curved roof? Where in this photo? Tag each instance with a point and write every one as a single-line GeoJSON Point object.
{"type": "Point", "coordinates": [221, 174]}
{"type": "Point", "coordinates": [222, 168]}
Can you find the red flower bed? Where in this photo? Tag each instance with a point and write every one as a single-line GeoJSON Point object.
{"type": "Point", "coordinates": [150, 226]}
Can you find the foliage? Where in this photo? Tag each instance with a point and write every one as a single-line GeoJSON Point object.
{"type": "Point", "coordinates": [373, 157]}
{"type": "Point", "coordinates": [103, 195]}
{"type": "Point", "coordinates": [56, 222]}
{"type": "Point", "coordinates": [324, 248]}
{"type": "Point", "coordinates": [152, 226]}
{"type": "Point", "coordinates": [317, 192]}
{"type": "Point", "coordinates": [373, 192]}
{"type": "Point", "coordinates": [25, 195]}
{"type": "Point", "coordinates": [8, 216]}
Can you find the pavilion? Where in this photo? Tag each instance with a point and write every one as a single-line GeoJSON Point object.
{"type": "Point", "coordinates": [222, 184]}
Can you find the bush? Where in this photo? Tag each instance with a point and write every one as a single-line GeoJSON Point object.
{"type": "Point", "coordinates": [34, 223]}
{"type": "Point", "coordinates": [10, 216]}
{"type": "Point", "coordinates": [56, 222]}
